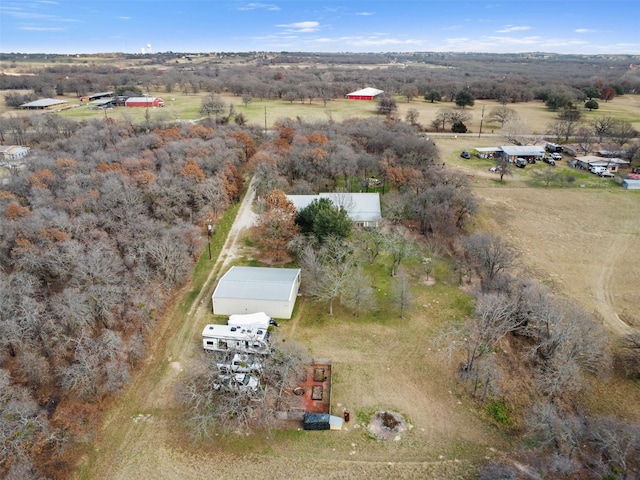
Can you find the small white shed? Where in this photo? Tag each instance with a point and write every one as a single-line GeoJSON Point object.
{"type": "Point", "coordinates": [257, 289]}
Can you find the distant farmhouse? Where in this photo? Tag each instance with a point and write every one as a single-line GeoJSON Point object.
{"type": "Point", "coordinates": [365, 94]}
{"type": "Point", "coordinates": [144, 102]}
{"type": "Point", "coordinates": [45, 104]}
{"type": "Point", "coordinates": [363, 208]}
{"type": "Point", "coordinates": [11, 153]}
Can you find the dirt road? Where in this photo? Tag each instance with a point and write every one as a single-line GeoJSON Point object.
{"type": "Point", "coordinates": [137, 423]}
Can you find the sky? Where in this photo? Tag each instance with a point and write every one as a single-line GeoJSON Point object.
{"type": "Point", "coordinates": [199, 26]}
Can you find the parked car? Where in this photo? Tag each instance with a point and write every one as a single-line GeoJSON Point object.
{"type": "Point", "coordinates": [550, 161]}
{"type": "Point", "coordinates": [606, 173]}
{"type": "Point", "coordinates": [465, 154]}
{"type": "Point", "coordinates": [556, 156]}
{"type": "Point", "coordinates": [597, 170]}
{"type": "Point", "coordinates": [521, 162]}
{"type": "Point", "coordinates": [242, 363]}
{"type": "Point", "coordinates": [240, 382]}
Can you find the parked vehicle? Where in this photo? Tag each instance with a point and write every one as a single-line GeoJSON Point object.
{"type": "Point", "coordinates": [240, 382]}
{"type": "Point", "coordinates": [521, 162]}
{"type": "Point", "coordinates": [227, 338]}
{"type": "Point", "coordinates": [556, 156]}
{"type": "Point", "coordinates": [550, 161]}
{"type": "Point", "coordinates": [606, 173]}
{"type": "Point", "coordinates": [242, 363]}
{"type": "Point", "coordinates": [553, 148]}
{"type": "Point", "coordinates": [465, 154]}
{"type": "Point", "coordinates": [597, 170]}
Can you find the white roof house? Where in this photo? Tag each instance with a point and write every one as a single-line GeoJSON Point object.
{"type": "Point", "coordinates": [363, 208]}
{"type": "Point", "coordinates": [257, 289]}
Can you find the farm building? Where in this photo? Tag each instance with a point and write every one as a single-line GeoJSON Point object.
{"type": "Point", "coordinates": [365, 94]}
{"type": "Point", "coordinates": [611, 164]}
{"type": "Point", "coordinates": [363, 208]}
{"type": "Point", "coordinates": [631, 184]}
{"type": "Point", "coordinates": [533, 152]}
{"type": "Point", "coordinates": [144, 102]}
{"type": "Point", "coordinates": [13, 152]}
{"type": "Point", "coordinates": [256, 289]}
{"type": "Point", "coordinates": [45, 104]}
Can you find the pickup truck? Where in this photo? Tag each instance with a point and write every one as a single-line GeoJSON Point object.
{"type": "Point", "coordinates": [606, 173]}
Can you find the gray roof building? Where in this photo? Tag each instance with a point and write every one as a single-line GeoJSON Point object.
{"type": "Point", "coordinates": [44, 103]}
{"type": "Point", "coordinates": [257, 289]}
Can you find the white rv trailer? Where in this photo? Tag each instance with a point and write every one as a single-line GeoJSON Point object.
{"type": "Point", "coordinates": [227, 338]}
{"type": "Point", "coordinates": [257, 320]}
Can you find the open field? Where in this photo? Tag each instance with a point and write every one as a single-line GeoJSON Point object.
{"type": "Point", "coordinates": [186, 107]}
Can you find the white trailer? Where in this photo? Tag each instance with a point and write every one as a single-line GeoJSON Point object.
{"type": "Point", "coordinates": [256, 320]}
{"type": "Point", "coordinates": [227, 338]}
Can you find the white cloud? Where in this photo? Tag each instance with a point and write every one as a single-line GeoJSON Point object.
{"type": "Point", "coordinates": [260, 6]}
{"type": "Point", "coordinates": [584, 30]}
{"type": "Point", "coordinates": [513, 28]}
{"type": "Point", "coordinates": [124, 18]}
{"type": "Point", "coordinates": [301, 27]}
{"type": "Point", "coordinates": [365, 14]}
{"type": "Point", "coordinates": [42, 29]}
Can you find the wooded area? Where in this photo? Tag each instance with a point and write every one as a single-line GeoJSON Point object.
{"type": "Point", "coordinates": [108, 218]}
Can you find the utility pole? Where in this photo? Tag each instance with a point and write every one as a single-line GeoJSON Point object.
{"type": "Point", "coordinates": [209, 233]}
{"type": "Point", "coordinates": [481, 120]}
{"type": "Point", "coordinates": [265, 120]}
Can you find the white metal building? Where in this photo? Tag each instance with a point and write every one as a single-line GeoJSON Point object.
{"type": "Point", "coordinates": [257, 289]}
{"type": "Point", "coordinates": [363, 208]}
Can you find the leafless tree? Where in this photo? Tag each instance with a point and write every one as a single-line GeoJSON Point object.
{"type": "Point", "coordinates": [491, 256]}
{"type": "Point", "coordinates": [502, 114]}
{"type": "Point", "coordinates": [358, 294]}
{"type": "Point", "coordinates": [603, 127]}
{"type": "Point", "coordinates": [585, 139]}
{"type": "Point", "coordinates": [615, 447]}
{"type": "Point", "coordinates": [514, 130]}
{"type": "Point", "coordinates": [568, 343]}
{"type": "Point", "coordinates": [401, 296]}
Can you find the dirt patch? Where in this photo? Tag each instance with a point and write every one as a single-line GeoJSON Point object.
{"type": "Point", "coordinates": [386, 425]}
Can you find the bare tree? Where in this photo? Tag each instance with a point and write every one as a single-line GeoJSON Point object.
{"type": "Point", "coordinates": [603, 126]}
{"type": "Point", "coordinates": [491, 256]}
{"type": "Point", "coordinates": [358, 294]}
{"type": "Point", "coordinates": [502, 114]}
{"type": "Point", "coordinates": [514, 130]}
{"type": "Point", "coordinates": [401, 296]}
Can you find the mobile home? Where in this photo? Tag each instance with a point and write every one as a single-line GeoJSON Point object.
{"type": "Point", "coordinates": [227, 338]}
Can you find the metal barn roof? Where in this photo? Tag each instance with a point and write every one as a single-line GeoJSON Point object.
{"type": "Point", "coordinates": [43, 103]}
{"type": "Point", "coordinates": [361, 207]}
{"type": "Point", "coordinates": [523, 150]}
{"type": "Point", "coordinates": [257, 283]}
